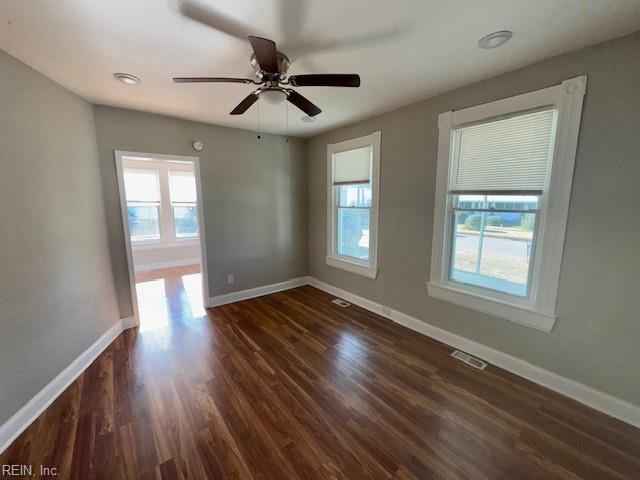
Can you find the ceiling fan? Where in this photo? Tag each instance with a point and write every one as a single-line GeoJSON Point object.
{"type": "Point", "coordinates": [271, 71]}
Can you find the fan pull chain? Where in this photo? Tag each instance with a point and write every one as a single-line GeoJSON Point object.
{"type": "Point", "coordinates": [288, 147]}
{"type": "Point", "coordinates": [258, 119]}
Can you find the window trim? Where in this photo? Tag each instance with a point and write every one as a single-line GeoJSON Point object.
{"type": "Point", "coordinates": [172, 204]}
{"type": "Point", "coordinates": [538, 309]}
{"type": "Point", "coordinates": [162, 168]}
{"type": "Point", "coordinates": [367, 269]}
{"type": "Point", "coordinates": [156, 203]}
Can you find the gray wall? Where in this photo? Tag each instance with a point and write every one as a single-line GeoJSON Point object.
{"type": "Point", "coordinates": [595, 339]}
{"type": "Point", "coordinates": [255, 200]}
{"type": "Point", "coordinates": [56, 286]}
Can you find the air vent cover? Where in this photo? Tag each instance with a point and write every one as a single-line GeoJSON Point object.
{"type": "Point", "coordinates": [340, 302]}
{"type": "Point", "coordinates": [469, 360]}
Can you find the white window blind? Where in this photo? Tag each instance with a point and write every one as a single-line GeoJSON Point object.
{"type": "Point", "coordinates": [182, 186]}
{"type": "Point", "coordinates": [352, 166]}
{"type": "Point", "coordinates": [141, 185]}
{"type": "Point", "coordinates": [509, 154]}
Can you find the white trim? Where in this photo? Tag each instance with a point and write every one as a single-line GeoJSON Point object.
{"type": "Point", "coordinates": [368, 269]}
{"type": "Point", "coordinates": [127, 234]}
{"type": "Point", "coordinates": [353, 267]}
{"type": "Point", "coordinates": [538, 309]}
{"type": "Point", "coordinates": [154, 245]}
{"type": "Point", "coordinates": [172, 263]}
{"type": "Point", "coordinates": [204, 264]}
{"type": "Point", "coordinates": [257, 292]}
{"type": "Point", "coordinates": [492, 306]}
{"type": "Point", "coordinates": [601, 401]}
{"type": "Point", "coordinates": [128, 322]}
{"type": "Point", "coordinates": [31, 410]}
{"type": "Point", "coordinates": [119, 157]}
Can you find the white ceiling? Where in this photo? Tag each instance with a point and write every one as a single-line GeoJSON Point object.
{"type": "Point", "coordinates": [404, 50]}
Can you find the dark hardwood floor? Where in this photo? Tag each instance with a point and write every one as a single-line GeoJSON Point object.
{"type": "Point", "coordinates": [291, 386]}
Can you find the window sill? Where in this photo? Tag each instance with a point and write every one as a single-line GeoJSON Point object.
{"type": "Point", "coordinates": [177, 242]}
{"type": "Point", "coordinates": [498, 308]}
{"type": "Point", "coordinates": [353, 267]}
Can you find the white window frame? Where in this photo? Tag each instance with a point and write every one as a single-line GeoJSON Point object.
{"type": "Point", "coordinates": [174, 204]}
{"type": "Point", "coordinates": [157, 204]}
{"type": "Point", "coordinates": [537, 310]}
{"type": "Point", "coordinates": [367, 269]}
{"type": "Point", "coordinates": [168, 237]}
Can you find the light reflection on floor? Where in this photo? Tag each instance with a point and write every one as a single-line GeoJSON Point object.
{"type": "Point", "coordinates": [192, 282]}
{"type": "Point", "coordinates": [154, 314]}
{"type": "Point", "coordinates": [195, 303]}
{"type": "Point", "coordinates": [151, 290]}
{"type": "Point", "coordinates": [349, 347]}
{"type": "Point", "coordinates": [172, 294]}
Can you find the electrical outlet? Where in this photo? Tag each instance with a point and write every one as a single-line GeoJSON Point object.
{"type": "Point", "coordinates": [230, 278]}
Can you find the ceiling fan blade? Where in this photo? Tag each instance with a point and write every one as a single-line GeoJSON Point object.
{"type": "Point", "coordinates": [200, 12]}
{"type": "Point", "coordinates": [302, 103]}
{"type": "Point", "coordinates": [266, 53]}
{"type": "Point", "coordinates": [302, 48]}
{"type": "Point", "coordinates": [212, 80]}
{"type": "Point", "coordinates": [244, 105]}
{"type": "Point", "coordinates": [326, 80]}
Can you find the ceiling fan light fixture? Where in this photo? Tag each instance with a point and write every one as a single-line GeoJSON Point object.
{"type": "Point", "coordinates": [126, 78]}
{"type": "Point", "coordinates": [273, 96]}
{"type": "Point", "coordinates": [495, 39]}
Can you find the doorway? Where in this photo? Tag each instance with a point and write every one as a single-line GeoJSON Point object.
{"type": "Point", "coordinates": [162, 215]}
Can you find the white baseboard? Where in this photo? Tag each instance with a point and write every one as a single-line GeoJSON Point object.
{"type": "Point", "coordinates": [127, 323]}
{"type": "Point", "coordinates": [591, 397]}
{"type": "Point", "coordinates": [218, 300]}
{"type": "Point", "coordinates": [24, 417]}
{"type": "Point", "coordinates": [173, 263]}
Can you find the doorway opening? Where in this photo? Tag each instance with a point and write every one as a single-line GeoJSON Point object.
{"type": "Point", "coordinates": [161, 202]}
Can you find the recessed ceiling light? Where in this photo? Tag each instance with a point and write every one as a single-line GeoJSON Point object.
{"type": "Point", "coordinates": [495, 39]}
{"type": "Point", "coordinates": [126, 78]}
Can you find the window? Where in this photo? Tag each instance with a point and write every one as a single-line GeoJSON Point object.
{"type": "Point", "coordinates": [352, 219]}
{"type": "Point", "coordinates": [161, 202]}
{"type": "Point", "coordinates": [142, 189]}
{"type": "Point", "coordinates": [502, 196]}
{"type": "Point", "coordinates": [182, 187]}
{"type": "Point", "coordinates": [492, 241]}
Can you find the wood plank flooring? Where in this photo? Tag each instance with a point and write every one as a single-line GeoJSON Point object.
{"type": "Point", "coordinates": [291, 386]}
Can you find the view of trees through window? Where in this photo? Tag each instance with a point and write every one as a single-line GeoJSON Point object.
{"type": "Point", "coordinates": [492, 245]}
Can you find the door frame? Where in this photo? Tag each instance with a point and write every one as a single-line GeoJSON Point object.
{"type": "Point", "coordinates": [119, 156]}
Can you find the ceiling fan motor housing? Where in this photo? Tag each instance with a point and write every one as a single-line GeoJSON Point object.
{"type": "Point", "coordinates": [283, 67]}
